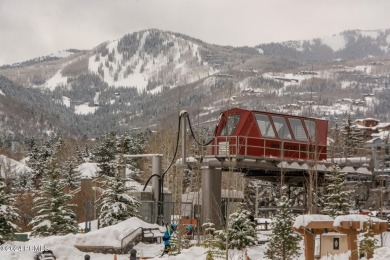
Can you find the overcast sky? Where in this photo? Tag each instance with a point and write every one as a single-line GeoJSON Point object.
{"type": "Point", "coordinates": [33, 28]}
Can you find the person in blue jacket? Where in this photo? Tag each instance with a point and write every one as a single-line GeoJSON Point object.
{"type": "Point", "coordinates": [166, 238]}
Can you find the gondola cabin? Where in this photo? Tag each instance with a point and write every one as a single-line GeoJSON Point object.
{"type": "Point", "coordinates": [256, 134]}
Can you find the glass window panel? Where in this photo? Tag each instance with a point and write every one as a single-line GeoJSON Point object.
{"type": "Point", "coordinates": [298, 130]}
{"type": "Point", "coordinates": [265, 125]}
{"type": "Point", "coordinates": [311, 129]}
{"type": "Point", "coordinates": [230, 125]}
{"type": "Point", "coordinates": [281, 127]}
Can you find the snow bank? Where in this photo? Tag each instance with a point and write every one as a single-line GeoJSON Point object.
{"type": "Point", "coordinates": [112, 236]}
{"type": "Point", "coordinates": [342, 256]}
{"type": "Point", "coordinates": [382, 253]}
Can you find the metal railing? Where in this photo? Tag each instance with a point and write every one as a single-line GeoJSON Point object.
{"type": "Point", "coordinates": [145, 232]}
{"type": "Point", "coordinates": [227, 146]}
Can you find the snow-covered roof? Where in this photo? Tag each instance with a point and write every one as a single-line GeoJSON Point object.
{"type": "Point", "coordinates": [305, 220]}
{"type": "Point", "coordinates": [8, 165]}
{"type": "Point", "coordinates": [363, 170]}
{"type": "Point", "coordinates": [88, 170]}
{"type": "Point", "coordinates": [348, 169]}
{"type": "Point", "coordinates": [367, 119]}
{"type": "Point", "coordinates": [355, 217]}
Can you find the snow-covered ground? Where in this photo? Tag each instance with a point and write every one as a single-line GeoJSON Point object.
{"type": "Point", "coordinates": [64, 246]}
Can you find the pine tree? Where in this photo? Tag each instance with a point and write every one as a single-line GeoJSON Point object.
{"type": "Point", "coordinates": [117, 205]}
{"type": "Point", "coordinates": [175, 243]}
{"type": "Point", "coordinates": [368, 241]}
{"type": "Point", "coordinates": [284, 242]}
{"type": "Point", "coordinates": [132, 144]}
{"type": "Point", "coordinates": [70, 175]}
{"type": "Point", "coordinates": [211, 242]}
{"type": "Point", "coordinates": [55, 216]}
{"type": "Point", "coordinates": [79, 155]}
{"type": "Point", "coordinates": [250, 194]}
{"type": "Point", "coordinates": [8, 214]}
{"type": "Point", "coordinates": [241, 229]}
{"type": "Point", "coordinates": [37, 162]}
{"type": "Point", "coordinates": [105, 154]}
{"type": "Point", "coordinates": [352, 138]}
{"type": "Point", "coordinates": [336, 199]}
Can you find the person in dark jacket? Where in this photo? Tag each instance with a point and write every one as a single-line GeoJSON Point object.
{"type": "Point", "coordinates": [189, 231]}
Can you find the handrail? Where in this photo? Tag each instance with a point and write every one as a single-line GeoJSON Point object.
{"type": "Point", "coordinates": [128, 236]}
{"type": "Point", "coordinates": [142, 229]}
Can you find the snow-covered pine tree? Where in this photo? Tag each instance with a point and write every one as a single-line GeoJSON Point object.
{"type": "Point", "coordinates": [134, 143]}
{"type": "Point", "coordinates": [105, 154]}
{"type": "Point", "coordinates": [211, 242]}
{"type": "Point", "coordinates": [251, 189]}
{"type": "Point", "coordinates": [70, 175]}
{"type": "Point", "coordinates": [79, 155]}
{"type": "Point", "coordinates": [8, 214]}
{"type": "Point", "coordinates": [352, 138]}
{"type": "Point", "coordinates": [337, 196]}
{"type": "Point", "coordinates": [117, 205]}
{"type": "Point", "coordinates": [240, 230]}
{"type": "Point", "coordinates": [284, 242]}
{"type": "Point", "coordinates": [175, 242]}
{"type": "Point", "coordinates": [54, 213]}
{"type": "Point", "coordinates": [37, 162]}
{"type": "Point", "coordinates": [123, 147]}
{"type": "Point", "coordinates": [368, 241]}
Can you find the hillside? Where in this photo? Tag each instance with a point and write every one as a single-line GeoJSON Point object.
{"type": "Point", "coordinates": [145, 78]}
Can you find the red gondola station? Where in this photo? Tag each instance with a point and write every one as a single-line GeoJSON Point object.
{"type": "Point", "coordinates": [254, 134]}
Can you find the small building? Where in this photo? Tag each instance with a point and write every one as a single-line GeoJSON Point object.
{"type": "Point", "coordinates": [367, 122]}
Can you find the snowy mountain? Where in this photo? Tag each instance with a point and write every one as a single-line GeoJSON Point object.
{"type": "Point", "coordinates": [144, 78]}
{"type": "Point", "coordinates": [354, 44]}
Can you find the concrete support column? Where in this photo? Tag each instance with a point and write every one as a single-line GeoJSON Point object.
{"type": "Point", "coordinates": [157, 187]}
{"type": "Point", "coordinates": [211, 195]}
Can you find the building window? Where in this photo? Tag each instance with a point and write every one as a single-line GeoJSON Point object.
{"type": "Point", "coordinates": [230, 125]}
{"type": "Point", "coordinates": [298, 129]}
{"type": "Point", "coordinates": [281, 127]}
{"type": "Point", "coordinates": [265, 126]}
{"type": "Point", "coordinates": [311, 129]}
